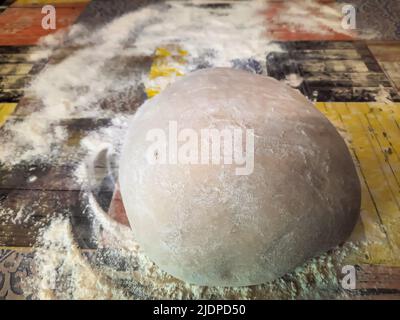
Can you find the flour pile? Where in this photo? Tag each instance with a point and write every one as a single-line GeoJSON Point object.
{"type": "Point", "coordinates": [88, 66]}
{"type": "Point", "coordinates": [107, 62]}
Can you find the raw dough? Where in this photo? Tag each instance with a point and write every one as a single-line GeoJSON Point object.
{"type": "Point", "coordinates": [207, 225]}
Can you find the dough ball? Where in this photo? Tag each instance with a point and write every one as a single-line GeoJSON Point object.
{"type": "Point", "coordinates": [210, 224]}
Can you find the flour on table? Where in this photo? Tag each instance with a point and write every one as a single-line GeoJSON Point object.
{"type": "Point", "coordinates": [86, 70]}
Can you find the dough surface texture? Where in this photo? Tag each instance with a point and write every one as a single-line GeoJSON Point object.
{"type": "Point", "coordinates": [207, 225]}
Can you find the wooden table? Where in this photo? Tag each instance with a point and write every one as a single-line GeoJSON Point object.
{"type": "Point", "coordinates": [342, 76]}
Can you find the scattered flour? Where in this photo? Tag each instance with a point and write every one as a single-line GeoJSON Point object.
{"type": "Point", "coordinates": [91, 70]}
{"type": "Point", "coordinates": [383, 95]}
{"type": "Point", "coordinates": [86, 67]}
{"type": "Point", "coordinates": [63, 271]}
{"type": "Point", "coordinates": [21, 216]}
{"type": "Point", "coordinates": [309, 16]}
{"type": "Point", "coordinates": [293, 80]}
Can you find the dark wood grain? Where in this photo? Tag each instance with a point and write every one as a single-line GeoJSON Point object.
{"type": "Point", "coordinates": [332, 71]}
{"type": "Point", "coordinates": [37, 209]}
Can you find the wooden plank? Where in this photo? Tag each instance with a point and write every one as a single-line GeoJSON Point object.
{"type": "Point", "coordinates": [13, 58]}
{"type": "Point", "coordinates": [27, 106]}
{"type": "Point", "coordinates": [15, 49]}
{"type": "Point", "coordinates": [6, 109]}
{"type": "Point", "coordinates": [314, 66]}
{"type": "Point", "coordinates": [358, 78]}
{"type": "Point", "coordinates": [14, 82]}
{"type": "Point", "coordinates": [392, 69]}
{"type": "Point", "coordinates": [22, 26]}
{"type": "Point", "coordinates": [338, 71]}
{"type": "Point", "coordinates": [378, 248]}
{"type": "Point", "coordinates": [385, 51]}
{"type": "Point", "coordinates": [41, 3]}
{"type": "Point", "coordinates": [378, 277]}
{"type": "Point", "coordinates": [25, 212]}
{"type": "Point", "coordinates": [15, 68]}
{"type": "Point", "coordinates": [4, 4]}
{"type": "Point", "coordinates": [354, 94]}
{"type": "Point", "coordinates": [387, 55]}
{"type": "Point", "coordinates": [44, 176]}
{"type": "Point", "coordinates": [312, 45]}
{"type": "Point", "coordinates": [376, 282]}
{"type": "Point", "coordinates": [10, 95]}
{"type": "Point", "coordinates": [327, 54]}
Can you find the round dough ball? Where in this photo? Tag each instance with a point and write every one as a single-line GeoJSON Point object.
{"type": "Point", "coordinates": [208, 225]}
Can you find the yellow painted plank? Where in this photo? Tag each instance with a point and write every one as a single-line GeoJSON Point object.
{"type": "Point", "coordinates": [358, 107]}
{"type": "Point", "coordinates": [379, 207]}
{"type": "Point", "coordinates": [15, 69]}
{"type": "Point", "coordinates": [320, 106]}
{"type": "Point", "coordinates": [382, 194]}
{"type": "Point", "coordinates": [396, 110]}
{"type": "Point", "coordinates": [387, 122]}
{"type": "Point", "coordinates": [339, 107]}
{"type": "Point", "coordinates": [168, 64]}
{"type": "Point", "coordinates": [384, 180]}
{"type": "Point", "coordinates": [6, 109]}
{"type": "Point", "coordinates": [14, 81]}
{"type": "Point", "coordinates": [387, 148]}
{"type": "Point", "coordinates": [367, 203]}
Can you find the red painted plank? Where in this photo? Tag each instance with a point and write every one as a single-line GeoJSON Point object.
{"type": "Point", "coordinates": [23, 26]}
{"type": "Point", "coordinates": [285, 32]}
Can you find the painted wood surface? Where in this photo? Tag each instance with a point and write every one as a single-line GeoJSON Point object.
{"type": "Point", "coordinates": [343, 77]}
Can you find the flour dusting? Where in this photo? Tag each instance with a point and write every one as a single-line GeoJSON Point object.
{"type": "Point", "coordinates": [86, 74]}
{"type": "Point", "coordinates": [64, 272]}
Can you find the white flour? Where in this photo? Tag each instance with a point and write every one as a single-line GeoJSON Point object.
{"type": "Point", "coordinates": [91, 70]}
{"type": "Point", "coordinates": [62, 272]}
{"type": "Point", "coordinates": [383, 95]}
